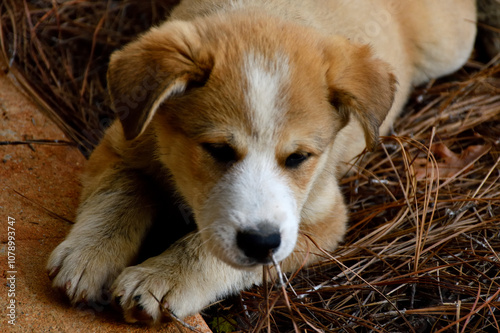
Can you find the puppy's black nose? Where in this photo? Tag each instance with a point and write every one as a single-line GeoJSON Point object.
{"type": "Point", "coordinates": [260, 243]}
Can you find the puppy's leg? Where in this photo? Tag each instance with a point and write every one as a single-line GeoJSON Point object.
{"type": "Point", "coordinates": [111, 223]}
{"type": "Point", "coordinates": [184, 279]}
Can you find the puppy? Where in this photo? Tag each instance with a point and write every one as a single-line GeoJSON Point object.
{"type": "Point", "coordinates": [248, 111]}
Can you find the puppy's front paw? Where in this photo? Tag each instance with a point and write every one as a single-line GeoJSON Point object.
{"type": "Point", "coordinates": [145, 292]}
{"type": "Point", "coordinates": [180, 281]}
{"type": "Point", "coordinates": [84, 269]}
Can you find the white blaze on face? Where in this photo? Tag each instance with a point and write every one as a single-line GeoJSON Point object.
{"type": "Point", "coordinates": [267, 81]}
{"type": "Point", "coordinates": [254, 190]}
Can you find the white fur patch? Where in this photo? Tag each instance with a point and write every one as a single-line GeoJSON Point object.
{"type": "Point", "coordinates": [267, 80]}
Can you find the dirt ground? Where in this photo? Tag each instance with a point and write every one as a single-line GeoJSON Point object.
{"type": "Point", "coordinates": [39, 188]}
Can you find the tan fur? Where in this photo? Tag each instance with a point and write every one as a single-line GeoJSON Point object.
{"type": "Point", "coordinates": [350, 65]}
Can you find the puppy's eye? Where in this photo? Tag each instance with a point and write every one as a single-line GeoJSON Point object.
{"type": "Point", "coordinates": [221, 152]}
{"type": "Point", "coordinates": [296, 159]}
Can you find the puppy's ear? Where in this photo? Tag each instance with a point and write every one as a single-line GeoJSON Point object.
{"type": "Point", "coordinates": [360, 85]}
{"type": "Point", "coordinates": [159, 65]}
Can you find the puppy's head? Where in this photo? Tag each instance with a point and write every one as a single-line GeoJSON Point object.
{"type": "Point", "coordinates": [245, 111]}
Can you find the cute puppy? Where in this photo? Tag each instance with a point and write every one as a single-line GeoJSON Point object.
{"type": "Point", "coordinates": [247, 111]}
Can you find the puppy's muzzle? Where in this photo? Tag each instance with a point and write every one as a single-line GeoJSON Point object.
{"type": "Point", "coordinates": [259, 244]}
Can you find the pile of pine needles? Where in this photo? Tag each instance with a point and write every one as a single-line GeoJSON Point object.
{"type": "Point", "coordinates": [423, 249]}
{"type": "Point", "coordinates": [58, 51]}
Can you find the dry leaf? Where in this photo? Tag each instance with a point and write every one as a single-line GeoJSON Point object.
{"type": "Point", "coordinates": [449, 163]}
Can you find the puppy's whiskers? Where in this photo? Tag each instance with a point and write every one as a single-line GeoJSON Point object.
{"type": "Point", "coordinates": [209, 240]}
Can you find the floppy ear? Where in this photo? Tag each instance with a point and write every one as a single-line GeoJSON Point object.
{"type": "Point", "coordinates": [159, 65]}
{"type": "Point", "coordinates": [360, 85]}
